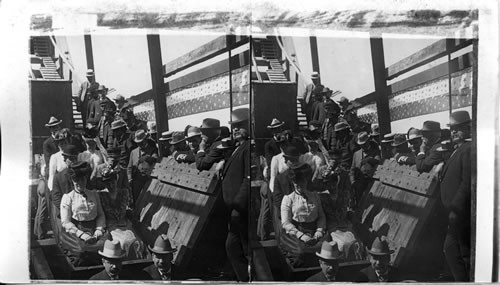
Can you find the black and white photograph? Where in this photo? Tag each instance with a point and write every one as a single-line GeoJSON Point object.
{"type": "Point", "coordinates": [253, 141]}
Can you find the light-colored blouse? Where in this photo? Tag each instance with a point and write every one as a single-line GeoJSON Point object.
{"type": "Point", "coordinates": [56, 165]}
{"type": "Point", "coordinates": [303, 210]}
{"type": "Point", "coordinates": [278, 165]}
{"type": "Point", "coordinates": [81, 208]}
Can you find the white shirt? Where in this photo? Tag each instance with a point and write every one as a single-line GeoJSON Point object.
{"type": "Point", "coordinates": [93, 158]}
{"type": "Point", "coordinates": [278, 165]}
{"type": "Point", "coordinates": [314, 160]}
{"type": "Point", "coordinates": [56, 165]}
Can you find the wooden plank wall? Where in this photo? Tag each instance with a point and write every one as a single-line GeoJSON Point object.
{"type": "Point", "coordinates": [178, 201]}
{"type": "Point", "coordinates": [398, 206]}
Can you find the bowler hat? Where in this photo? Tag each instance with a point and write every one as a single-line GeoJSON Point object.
{"type": "Point", "coordinates": [162, 245]}
{"type": "Point", "coordinates": [225, 143]}
{"type": "Point", "coordinates": [314, 75]}
{"type": "Point", "coordinates": [112, 250]}
{"type": "Point", "coordinates": [210, 123]}
{"type": "Point", "coordinates": [166, 136]}
{"type": "Point", "coordinates": [70, 150]}
{"type": "Point", "coordinates": [399, 139]}
{"type": "Point", "coordinates": [380, 247]}
{"type": "Point", "coordinates": [118, 124]}
{"type": "Point", "coordinates": [414, 133]}
{"type": "Point", "coordinates": [458, 118]}
{"type": "Point", "coordinates": [177, 137]}
{"type": "Point", "coordinates": [388, 138]}
{"type": "Point", "coordinates": [140, 135]}
{"type": "Point", "coordinates": [193, 132]}
{"type": "Point", "coordinates": [362, 138]}
{"type": "Point", "coordinates": [375, 130]}
{"type": "Point", "coordinates": [275, 123]}
{"type": "Point", "coordinates": [341, 126]}
{"type": "Point", "coordinates": [291, 152]}
{"type": "Point", "coordinates": [53, 121]}
{"type": "Point", "coordinates": [329, 251]}
{"type": "Point", "coordinates": [239, 115]}
{"type": "Point", "coordinates": [90, 72]}
{"type": "Point", "coordinates": [431, 126]}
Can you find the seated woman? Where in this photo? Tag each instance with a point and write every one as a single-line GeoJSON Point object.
{"type": "Point", "coordinates": [82, 218]}
{"type": "Point", "coordinates": [302, 217]}
{"type": "Point", "coordinates": [115, 201]}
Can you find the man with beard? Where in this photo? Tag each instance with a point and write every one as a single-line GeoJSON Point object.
{"type": "Point", "coordinates": [456, 197]}
{"type": "Point", "coordinates": [235, 193]}
{"type": "Point", "coordinates": [428, 156]}
{"type": "Point", "coordinates": [208, 153]}
{"type": "Point", "coordinates": [379, 269]}
{"type": "Point", "coordinates": [329, 258]}
{"type": "Point", "coordinates": [163, 255]}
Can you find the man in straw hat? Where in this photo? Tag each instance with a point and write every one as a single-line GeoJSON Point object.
{"type": "Point", "coordinates": [456, 197]}
{"type": "Point", "coordinates": [123, 139]}
{"type": "Point", "coordinates": [329, 258]}
{"type": "Point", "coordinates": [235, 193]}
{"type": "Point", "coordinates": [369, 148]}
{"type": "Point", "coordinates": [163, 255]}
{"type": "Point", "coordinates": [87, 88]}
{"type": "Point", "coordinates": [306, 96]}
{"type": "Point", "coordinates": [328, 134]}
{"type": "Point", "coordinates": [379, 269]}
{"type": "Point", "coordinates": [345, 141]}
{"type": "Point", "coordinates": [428, 156]}
{"type": "Point", "coordinates": [111, 256]}
{"type": "Point", "coordinates": [271, 147]}
{"type": "Point", "coordinates": [164, 143]}
{"type": "Point", "coordinates": [400, 149]}
{"type": "Point", "coordinates": [208, 154]}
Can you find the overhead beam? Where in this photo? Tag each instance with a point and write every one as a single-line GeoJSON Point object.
{"type": "Point", "coordinates": [211, 49]}
{"type": "Point", "coordinates": [158, 95]}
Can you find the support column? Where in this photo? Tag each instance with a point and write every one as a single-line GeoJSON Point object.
{"type": "Point", "coordinates": [314, 54]}
{"type": "Point", "coordinates": [88, 52]}
{"type": "Point", "coordinates": [159, 94]}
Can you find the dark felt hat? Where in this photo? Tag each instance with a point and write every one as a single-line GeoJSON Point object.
{"type": "Point", "coordinates": [380, 247]}
{"type": "Point", "coordinates": [431, 126]}
{"type": "Point", "coordinates": [291, 152]}
{"type": "Point", "coordinates": [239, 115]}
{"type": "Point", "coordinates": [399, 139]}
{"type": "Point", "coordinates": [459, 118]}
{"type": "Point", "coordinates": [69, 150]}
{"type": "Point", "coordinates": [210, 123]}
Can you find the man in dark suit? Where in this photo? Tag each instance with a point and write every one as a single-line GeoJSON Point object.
{"type": "Point", "coordinates": [49, 145]}
{"type": "Point", "coordinates": [83, 96]}
{"type": "Point", "coordinates": [428, 156]}
{"type": "Point", "coordinates": [208, 153]}
{"type": "Point", "coordinates": [235, 193]}
{"type": "Point", "coordinates": [62, 182]}
{"type": "Point", "coordinates": [456, 197]}
{"type": "Point", "coordinates": [112, 255]}
{"type": "Point", "coordinates": [379, 269]}
{"type": "Point", "coordinates": [163, 255]}
{"type": "Point", "coordinates": [329, 258]}
{"type": "Point", "coordinates": [271, 147]}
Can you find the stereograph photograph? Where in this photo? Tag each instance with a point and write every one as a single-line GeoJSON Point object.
{"type": "Point", "coordinates": [258, 143]}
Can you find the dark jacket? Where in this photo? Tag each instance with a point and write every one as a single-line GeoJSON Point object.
{"type": "Point", "coordinates": [271, 149]}
{"type": "Point", "coordinates": [368, 274]}
{"type": "Point", "coordinates": [426, 162]}
{"type": "Point", "coordinates": [61, 185]}
{"type": "Point", "coordinates": [282, 186]}
{"type": "Point", "coordinates": [320, 277]}
{"type": "Point", "coordinates": [186, 156]}
{"type": "Point", "coordinates": [49, 148]}
{"type": "Point", "coordinates": [456, 181]}
{"type": "Point", "coordinates": [205, 159]}
{"type": "Point", "coordinates": [153, 273]}
{"type": "Point", "coordinates": [236, 180]}
{"type": "Point", "coordinates": [124, 275]}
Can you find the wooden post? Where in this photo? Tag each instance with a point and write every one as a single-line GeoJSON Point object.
{"type": "Point", "coordinates": [314, 55]}
{"type": "Point", "coordinates": [379, 76]}
{"type": "Point", "coordinates": [88, 52]}
{"type": "Point", "coordinates": [159, 98]}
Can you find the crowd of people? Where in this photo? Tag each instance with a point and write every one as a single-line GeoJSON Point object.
{"type": "Point", "coordinates": [316, 179]}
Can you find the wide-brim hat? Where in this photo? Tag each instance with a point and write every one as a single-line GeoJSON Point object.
{"type": "Point", "coordinates": [90, 72]}
{"type": "Point", "coordinates": [330, 251]}
{"type": "Point", "coordinates": [239, 115]}
{"type": "Point", "coordinates": [112, 250]}
{"type": "Point", "coordinates": [118, 124]}
{"type": "Point", "coordinates": [275, 123]}
{"type": "Point", "coordinates": [162, 245]}
{"type": "Point", "coordinates": [388, 138]}
{"type": "Point", "coordinates": [379, 247]}
{"type": "Point", "coordinates": [445, 146]}
{"type": "Point", "coordinates": [152, 127]}
{"type": "Point", "coordinates": [414, 133]}
{"type": "Point", "coordinates": [314, 125]}
{"type": "Point", "coordinates": [340, 126]}
{"type": "Point", "coordinates": [120, 98]}
{"type": "Point", "coordinates": [459, 118]}
{"type": "Point", "coordinates": [362, 138]}
{"type": "Point", "coordinates": [399, 139]}
{"type": "Point", "coordinates": [177, 137]}
{"type": "Point", "coordinates": [166, 136]}
{"type": "Point", "coordinates": [140, 136]}
{"type": "Point", "coordinates": [225, 143]}
{"type": "Point", "coordinates": [210, 123]}
{"type": "Point", "coordinates": [53, 121]}
{"type": "Point", "coordinates": [431, 126]}
{"type": "Point", "coordinates": [193, 132]}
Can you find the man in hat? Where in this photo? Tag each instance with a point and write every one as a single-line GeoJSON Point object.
{"type": "Point", "coordinates": [386, 147]}
{"type": "Point", "coordinates": [124, 110]}
{"type": "Point", "coordinates": [145, 147]}
{"type": "Point", "coordinates": [364, 181]}
{"type": "Point", "coordinates": [271, 147]}
{"type": "Point", "coordinates": [62, 181]}
{"type": "Point", "coordinates": [152, 132]}
{"type": "Point", "coordinates": [379, 269]}
{"type": "Point", "coordinates": [235, 193]}
{"type": "Point", "coordinates": [105, 128]}
{"type": "Point", "coordinates": [428, 156]}
{"type": "Point", "coordinates": [306, 96]}
{"type": "Point", "coordinates": [104, 101]}
{"type": "Point", "coordinates": [456, 197]}
{"type": "Point", "coordinates": [345, 141]}
{"type": "Point", "coordinates": [347, 111]}
{"type": "Point", "coordinates": [164, 143]}
{"type": "Point", "coordinates": [180, 149]}
{"type": "Point", "coordinates": [369, 148]}
{"type": "Point", "coordinates": [193, 140]}
{"type": "Point", "coordinates": [401, 149]}
{"type": "Point", "coordinates": [163, 255]}
{"type": "Point", "coordinates": [329, 258]}
{"type": "Point", "coordinates": [208, 154]}
{"type": "Point", "coordinates": [122, 138]}
{"type": "Point", "coordinates": [316, 109]}
{"type": "Point", "coordinates": [94, 111]}
{"type": "Point", "coordinates": [375, 133]}
{"type": "Point", "coordinates": [84, 93]}
{"type": "Point", "coordinates": [111, 257]}
{"type": "Point", "coordinates": [49, 145]}
{"type": "Point", "coordinates": [414, 141]}
{"type": "Point", "coordinates": [328, 134]}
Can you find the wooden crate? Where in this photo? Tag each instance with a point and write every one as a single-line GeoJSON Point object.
{"type": "Point", "coordinates": [178, 201]}
{"type": "Point", "coordinates": [398, 206]}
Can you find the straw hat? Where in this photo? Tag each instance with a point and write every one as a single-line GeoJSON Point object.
{"type": "Point", "coordinates": [341, 126]}
{"type": "Point", "coordinates": [166, 136]}
{"type": "Point", "coordinates": [414, 133]}
{"type": "Point", "coordinates": [399, 139]}
{"type": "Point", "coordinates": [362, 138]}
{"type": "Point", "coordinates": [315, 75]}
{"type": "Point", "coordinates": [388, 138]}
{"type": "Point", "coordinates": [140, 136]}
{"type": "Point", "coordinates": [275, 123]}
{"type": "Point", "coordinates": [90, 72]}
{"type": "Point", "coordinates": [53, 121]}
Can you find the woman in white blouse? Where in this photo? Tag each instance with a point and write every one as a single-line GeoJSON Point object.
{"type": "Point", "coordinates": [56, 162]}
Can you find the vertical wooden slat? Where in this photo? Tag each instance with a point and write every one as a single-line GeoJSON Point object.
{"type": "Point", "coordinates": [314, 54]}
{"type": "Point", "coordinates": [88, 52]}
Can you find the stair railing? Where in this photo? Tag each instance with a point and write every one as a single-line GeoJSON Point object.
{"type": "Point", "coordinates": [254, 63]}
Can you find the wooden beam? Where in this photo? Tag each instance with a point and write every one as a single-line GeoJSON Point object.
{"type": "Point", "coordinates": [426, 55]}
{"type": "Point", "coordinates": [159, 99]}
{"type": "Point", "coordinates": [88, 52]}
{"type": "Point", "coordinates": [314, 54]}
{"type": "Point", "coordinates": [202, 53]}
{"type": "Point", "coordinates": [438, 71]}
{"type": "Point", "coordinates": [381, 91]}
